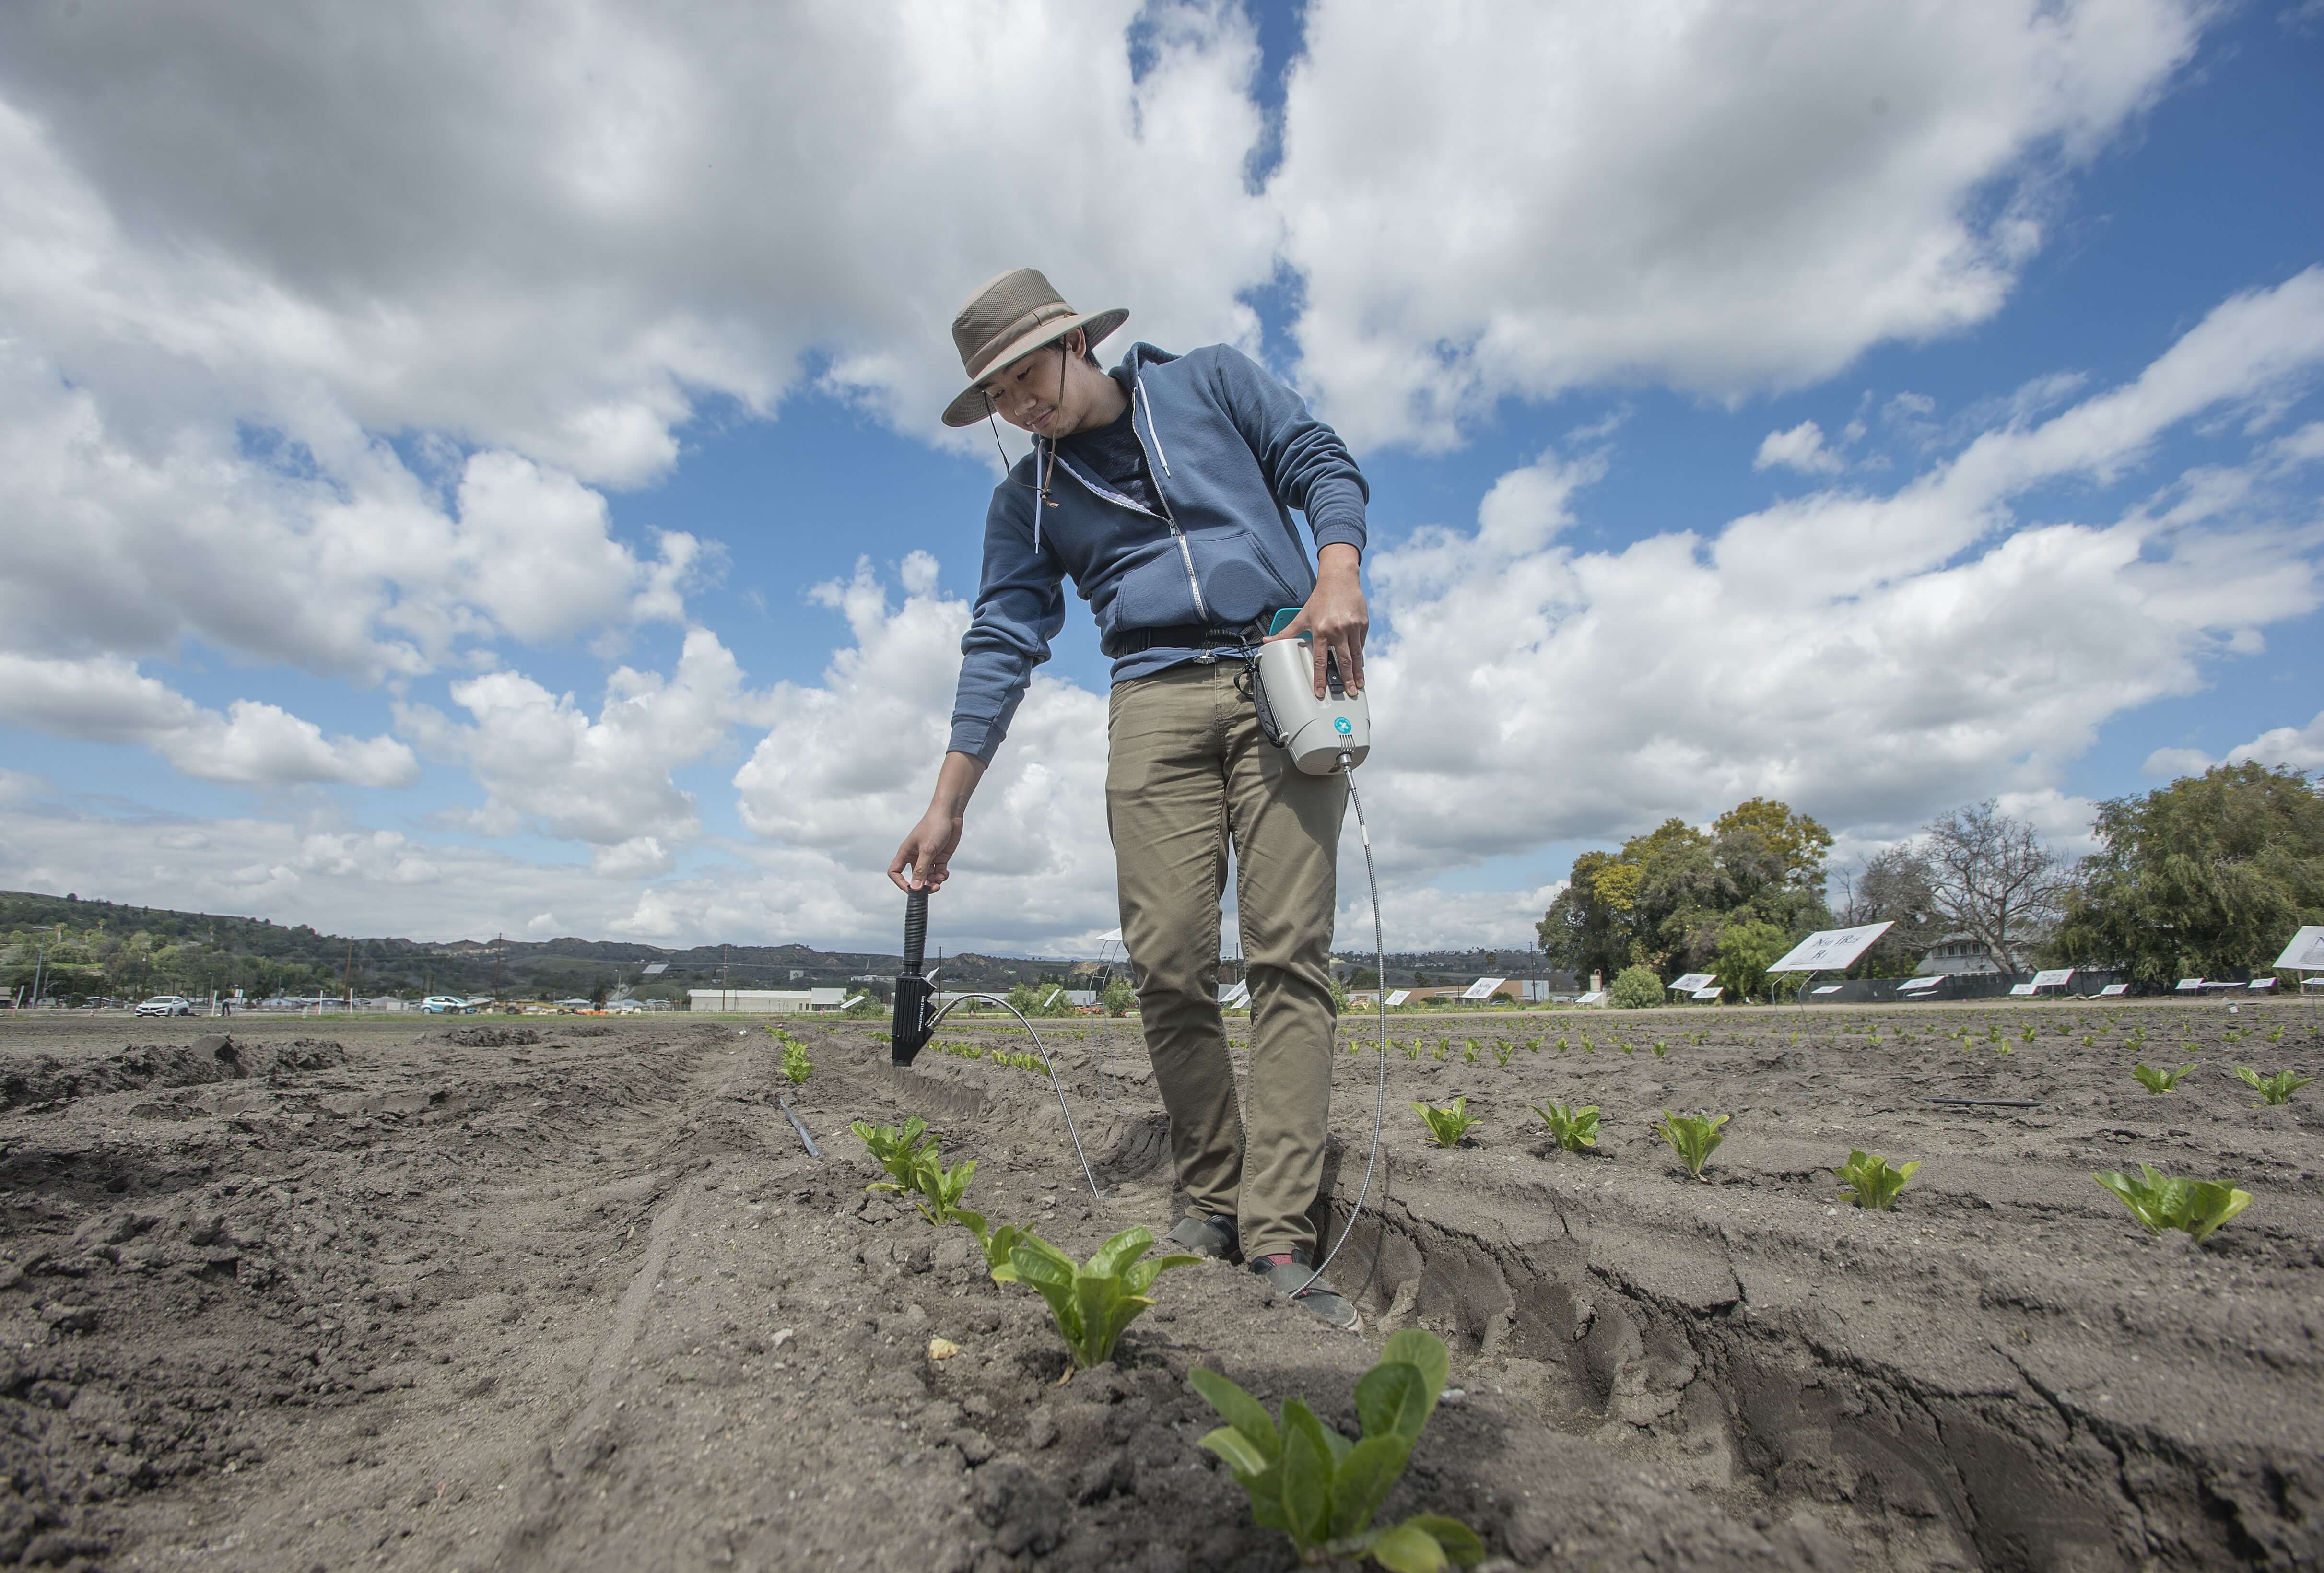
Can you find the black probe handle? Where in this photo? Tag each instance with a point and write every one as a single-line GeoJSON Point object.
{"type": "Point", "coordinates": [915, 930]}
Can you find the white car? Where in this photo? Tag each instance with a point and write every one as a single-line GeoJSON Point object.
{"type": "Point", "coordinates": [166, 1004]}
{"type": "Point", "coordinates": [443, 1005]}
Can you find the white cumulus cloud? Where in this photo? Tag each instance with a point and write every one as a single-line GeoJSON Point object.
{"type": "Point", "coordinates": [106, 699]}
{"type": "Point", "coordinates": [1485, 199]}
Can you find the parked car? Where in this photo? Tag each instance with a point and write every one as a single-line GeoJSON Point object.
{"type": "Point", "coordinates": [166, 1004]}
{"type": "Point", "coordinates": [445, 1005]}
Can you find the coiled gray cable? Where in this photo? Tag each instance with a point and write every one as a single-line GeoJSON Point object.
{"type": "Point", "coordinates": [1379, 1102]}
{"type": "Point", "coordinates": [1055, 1085]}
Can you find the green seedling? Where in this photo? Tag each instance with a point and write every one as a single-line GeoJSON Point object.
{"type": "Point", "coordinates": [896, 1148]}
{"type": "Point", "coordinates": [2028, 1034]}
{"type": "Point", "coordinates": [2160, 1081]}
{"type": "Point", "coordinates": [1469, 1051]}
{"type": "Point", "coordinates": [1321, 1489]}
{"type": "Point", "coordinates": [2087, 1040]}
{"type": "Point", "coordinates": [1412, 1049]}
{"type": "Point", "coordinates": [1504, 1053]}
{"type": "Point", "coordinates": [2276, 1036]}
{"type": "Point", "coordinates": [1448, 1125]}
{"type": "Point", "coordinates": [1868, 1180]}
{"type": "Point", "coordinates": [1574, 1128]}
{"type": "Point", "coordinates": [1093, 1303]}
{"type": "Point", "coordinates": [1661, 1049]}
{"type": "Point", "coordinates": [1628, 1049]}
{"type": "Point", "coordinates": [2196, 1206]}
{"type": "Point", "coordinates": [2276, 1088]}
{"type": "Point", "coordinates": [1693, 1137]}
{"type": "Point", "coordinates": [797, 1066]}
{"type": "Point", "coordinates": [1443, 1047]}
{"type": "Point", "coordinates": [1563, 1046]}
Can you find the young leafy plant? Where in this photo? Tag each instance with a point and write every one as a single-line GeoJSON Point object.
{"type": "Point", "coordinates": [1661, 1048]}
{"type": "Point", "coordinates": [2196, 1206]}
{"type": "Point", "coordinates": [896, 1148]}
{"type": "Point", "coordinates": [797, 1066]}
{"type": "Point", "coordinates": [2160, 1081]}
{"type": "Point", "coordinates": [1503, 1052]}
{"type": "Point", "coordinates": [1693, 1137]}
{"type": "Point", "coordinates": [1469, 1051]}
{"type": "Point", "coordinates": [2276, 1088]}
{"type": "Point", "coordinates": [1574, 1128]}
{"type": "Point", "coordinates": [1321, 1489]}
{"type": "Point", "coordinates": [1868, 1180]}
{"type": "Point", "coordinates": [1093, 1303]}
{"type": "Point", "coordinates": [1448, 1125]}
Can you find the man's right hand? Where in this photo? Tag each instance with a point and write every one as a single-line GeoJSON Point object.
{"type": "Point", "coordinates": [927, 851]}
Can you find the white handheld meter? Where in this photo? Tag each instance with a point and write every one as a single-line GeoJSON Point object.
{"type": "Point", "coordinates": [1316, 733]}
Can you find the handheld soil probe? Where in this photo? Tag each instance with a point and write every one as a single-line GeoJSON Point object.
{"type": "Point", "coordinates": [914, 1023]}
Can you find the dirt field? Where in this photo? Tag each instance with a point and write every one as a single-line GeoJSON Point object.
{"type": "Point", "coordinates": [571, 1294]}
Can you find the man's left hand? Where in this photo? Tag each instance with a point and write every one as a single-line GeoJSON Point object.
{"type": "Point", "coordinates": [1335, 614]}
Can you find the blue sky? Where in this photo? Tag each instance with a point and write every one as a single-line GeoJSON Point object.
{"type": "Point", "coordinates": [463, 458]}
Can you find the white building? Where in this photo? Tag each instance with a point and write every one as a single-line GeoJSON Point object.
{"type": "Point", "coordinates": [1956, 954]}
{"type": "Point", "coordinates": [766, 1001]}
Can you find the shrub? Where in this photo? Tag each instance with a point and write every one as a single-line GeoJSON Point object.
{"type": "Point", "coordinates": [1092, 1304]}
{"type": "Point", "coordinates": [1120, 999]}
{"type": "Point", "coordinates": [1304, 1479]}
{"type": "Point", "coordinates": [1636, 988]}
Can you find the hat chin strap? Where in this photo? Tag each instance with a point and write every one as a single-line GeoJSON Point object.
{"type": "Point", "coordinates": [1048, 467]}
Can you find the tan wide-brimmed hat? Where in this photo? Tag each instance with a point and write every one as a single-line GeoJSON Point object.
{"type": "Point", "coordinates": [1008, 318]}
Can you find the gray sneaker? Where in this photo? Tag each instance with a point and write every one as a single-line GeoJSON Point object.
{"type": "Point", "coordinates": [1207, 1234]}
{"type": "Point", "coordinates": [1318, 1299]}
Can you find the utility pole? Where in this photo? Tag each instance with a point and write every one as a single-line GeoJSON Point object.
{"type": "Point", "coordinates": [724, 1002]}
{"type": "Point", "coordinates": [348, 981]}
{"type": "Point", "coordinates": [496, 972]}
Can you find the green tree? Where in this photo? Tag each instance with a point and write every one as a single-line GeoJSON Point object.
{"type": "Point", "coordinates": [1668, 896]}
{"type": "Point", "coordinates": [1120, 999]}
{"type": "Point", "coordinates": [2208, 874]}
{"type": "Point", "coordinates": [1746, 950]}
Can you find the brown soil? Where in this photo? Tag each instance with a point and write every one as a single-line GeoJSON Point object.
{"type": "Point", "coordinates": [431, 1299]}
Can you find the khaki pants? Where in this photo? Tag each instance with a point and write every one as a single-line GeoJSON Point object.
{"type": "Point", "coordinates": [1187, 772]}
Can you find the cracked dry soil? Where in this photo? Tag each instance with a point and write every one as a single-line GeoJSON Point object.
{"type": "Point", "coordinates": [570, 1294]}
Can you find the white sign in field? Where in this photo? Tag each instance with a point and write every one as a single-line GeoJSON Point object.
{"type": "Point", "coordinates": [1708, 991]}
{"type": "Point", "coordinates": [1482, 989]}
{"type": "Point", "coordinates": [2023, 989]}
{"type": "Point", "coordinates": [2305, 953]}
{"type": "Point", "coordinates": [1829, 988]}
{"type": "Point", "coordinates": [2114, 992]}
{"type": "Point", "coordinates": [1234, 997]}
{"type": "Point", "coordinates": [1397, 997]}
{"type": "Point", "coordinates": [2053, 978]}
{"type": "Point", "coordinates": [2188, 986]}
{"type": "Point", "coordinates": [1911, 985]}
{"type": "Point", "coordinates": [1594, 996]}
{"type": "Point", "coordinates": [1692, 982]}
{"type": "Point", "coordinates": [1831, 949]}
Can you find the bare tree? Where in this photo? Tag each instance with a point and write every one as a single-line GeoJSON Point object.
{"type": "Point", "coordinates": [1895, 886]}
{"type": "Point", "coordinates": [1993, 880]}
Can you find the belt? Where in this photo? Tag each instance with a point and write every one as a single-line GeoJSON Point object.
{"type": "Point", "coordinates": [1185, 636]}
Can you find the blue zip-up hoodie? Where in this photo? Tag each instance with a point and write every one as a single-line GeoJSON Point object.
{"type": "Point", "coordinates": [1231, 451]}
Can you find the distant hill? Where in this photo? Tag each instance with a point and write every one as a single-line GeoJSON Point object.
{"type": "Point", "coordinates": [111, 948]}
